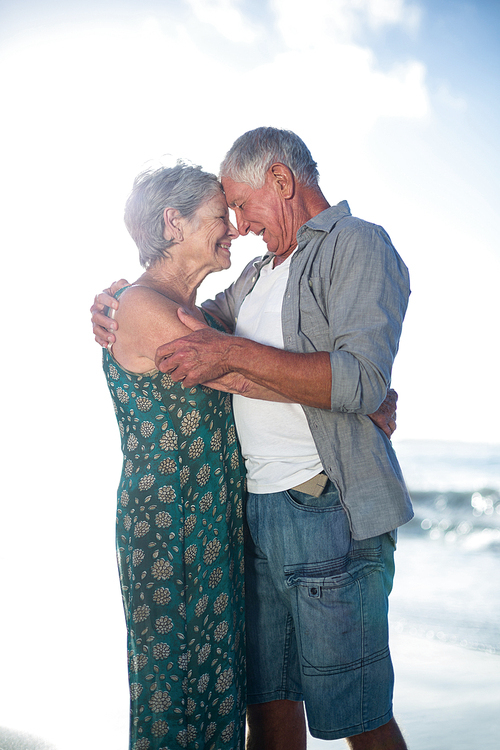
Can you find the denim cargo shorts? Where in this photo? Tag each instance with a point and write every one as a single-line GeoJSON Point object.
{"type": "Point", "coordinates": [317, 603]}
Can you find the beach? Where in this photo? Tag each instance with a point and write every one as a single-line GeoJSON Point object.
{"type": "Point", "coordinates": [64, 672]}
{"type": "Point", "coordinates": [446, 698]}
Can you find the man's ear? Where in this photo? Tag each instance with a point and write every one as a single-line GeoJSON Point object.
{"type": "Point", "coordinates": [283, 179]}
{"type": "Point", "coordinates": [173, 225]}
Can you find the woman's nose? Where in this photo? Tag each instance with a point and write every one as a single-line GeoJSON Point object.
{"type": "Point", "coordinates": [233, 232]}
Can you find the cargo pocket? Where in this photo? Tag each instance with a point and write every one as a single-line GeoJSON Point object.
{"type": "Point", "coordinates": [341, 616]}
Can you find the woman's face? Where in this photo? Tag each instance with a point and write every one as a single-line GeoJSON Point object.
{"type": "Point", "coordinates": [209, 234]}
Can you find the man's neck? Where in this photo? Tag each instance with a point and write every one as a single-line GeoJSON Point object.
{"type": "Point", "coordinates": [311, 203]}
{"type": "Point", "coordinates": [316, 203]}
{"type": "Point", "coordinates": [279, 259]}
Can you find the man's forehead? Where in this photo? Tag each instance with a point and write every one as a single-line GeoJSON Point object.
{"type": "Point", "coordinates": [234, 191]}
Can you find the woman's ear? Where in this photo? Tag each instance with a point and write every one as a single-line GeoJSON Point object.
{"type": "Point", "coordinates": [173, 225]}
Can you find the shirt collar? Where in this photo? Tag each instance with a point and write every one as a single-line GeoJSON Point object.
{"type": "Point", "coordinates": [326, 220]}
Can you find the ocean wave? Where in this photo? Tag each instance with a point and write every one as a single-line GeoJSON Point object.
{"type": "Point", "coordinates": [465, 637]}
{"type": "Point", "coordinates": [432, 465]}
{"type": "Point", "coordinates": [471, 519]}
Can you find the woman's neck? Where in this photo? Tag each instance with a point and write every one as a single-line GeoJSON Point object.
{"type": "Point", "coordinates": [172, 284]}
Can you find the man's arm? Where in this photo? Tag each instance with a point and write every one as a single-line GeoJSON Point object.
{"type": "Point", "coordinates": [237, 384]}
{"type": "Point", "coordinates": [197, 357]}
{"type": "Point", "coordinates": [384, 418]}
{"type": "Point", "coordinates": [102, 325]}
{"type": "Point", "coordinates": [206, 355]}
{"type": "Point", "coordinates": [365, 304]}
{"type": "Point", "coordinates": [232, 382]}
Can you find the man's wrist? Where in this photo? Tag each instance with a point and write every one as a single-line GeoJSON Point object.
{"type": "Point", "coordinates": [237, 354]}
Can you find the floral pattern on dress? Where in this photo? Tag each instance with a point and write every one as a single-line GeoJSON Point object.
{"type": "Point", "coordinates": [179, 540]}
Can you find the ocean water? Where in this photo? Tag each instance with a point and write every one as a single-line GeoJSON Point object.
{"type": "Point", "coordinates": [447, 584]}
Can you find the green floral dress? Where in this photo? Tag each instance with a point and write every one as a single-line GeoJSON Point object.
{"type": "Point", "coordinates": [180, 555]}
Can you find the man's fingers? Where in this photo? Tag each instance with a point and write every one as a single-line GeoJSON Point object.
{"type": "Point", "coordinates": [161, 358]}
{"type": "Point", "coordinates": [103, 328]}
{"type": "Point", "coordinates": [102, 342]}
{"type": "Point", "coordinates": [117, 285]}
{"type": "Point", "coordinates": [102, 301]}
{"type": "Point", "coordinates": [101, 320]}
{"type": "Point", "coordinates": [189, 321]}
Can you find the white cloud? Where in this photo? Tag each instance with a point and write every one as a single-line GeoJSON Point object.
{"type": "Point", "coordinates": [330, 21]}
{"type": "Point", "coordinates": [226, 17]}
{"type": "Point", "coordinates": [150, 90]}
{"type": "Point", "coordinates": [321, 64]}
{"type": "Point", "coordinates": [389, 12]}
{"type": "Point", "coordinates": [337, 91]}
{"type": "Point", "coordinates": [403, 92]}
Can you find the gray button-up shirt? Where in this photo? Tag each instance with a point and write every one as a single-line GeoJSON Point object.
{"type": "Point", "coordinates": [347, 294]}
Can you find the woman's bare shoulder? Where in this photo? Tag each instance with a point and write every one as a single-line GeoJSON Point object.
{"type": "Point", "coordinates": [138, 302]}
{"type": "Point", "coordinates": [146, 320]}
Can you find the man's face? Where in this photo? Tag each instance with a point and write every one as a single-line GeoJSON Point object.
{"type": "Point", "coordinates": [263, 212]}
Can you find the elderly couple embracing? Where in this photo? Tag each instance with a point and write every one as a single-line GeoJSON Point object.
{"type": "Point", "coordinates": [260, 493]}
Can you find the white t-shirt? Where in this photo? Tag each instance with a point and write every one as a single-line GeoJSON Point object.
{"type": "Point", "coordinates": [276, 441]}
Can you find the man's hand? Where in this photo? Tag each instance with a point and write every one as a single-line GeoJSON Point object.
{"type": "Point", "coordinates": [231, 382]}
{"type": "Point", "coordinates": [197, 358]}
{"type": "Point", "coordinates": [102, 325]}
{"type": "Point", "coordinates": [385, 416]}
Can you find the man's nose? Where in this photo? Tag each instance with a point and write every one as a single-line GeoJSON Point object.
{"type": "Point", "coordinates": [243, 225]}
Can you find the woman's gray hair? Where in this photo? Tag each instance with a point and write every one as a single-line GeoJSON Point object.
{"type": "Point", "coordinates": [184, 187]}
{"type": "Point", "coordinates": [251, 155]}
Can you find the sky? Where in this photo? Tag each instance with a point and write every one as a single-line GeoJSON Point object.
{"type": "Point", "coordinates": [398, 103]}
{"type": "Point", "coordinates": [397, 100]}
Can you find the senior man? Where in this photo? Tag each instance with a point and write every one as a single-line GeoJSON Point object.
{"type": "Point", "coordinates": [317, 321]}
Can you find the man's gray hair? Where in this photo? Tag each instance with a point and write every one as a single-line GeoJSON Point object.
{"type": "Point", "coordinates": [253, 153]}
{"type": "Point", "coordinates": [184, 187]}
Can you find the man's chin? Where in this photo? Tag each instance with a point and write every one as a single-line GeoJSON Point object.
{"type": "Point", "coordinates": [270, 248]}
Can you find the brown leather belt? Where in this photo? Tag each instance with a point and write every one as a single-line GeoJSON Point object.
{"type": "Point", "coordinates": [313, 486]}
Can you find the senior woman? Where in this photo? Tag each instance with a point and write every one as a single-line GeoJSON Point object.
{"type": "Point", "coordinates": [179, 519]}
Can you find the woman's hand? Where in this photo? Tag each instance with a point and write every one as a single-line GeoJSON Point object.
{"type": "Point", "coordinates": [385, 416]}
{"type": "Point", "coordinates": [103, 325]}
